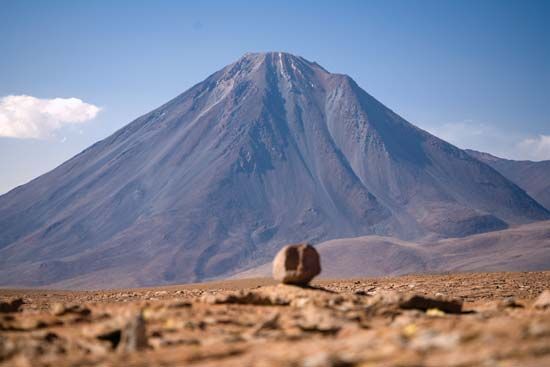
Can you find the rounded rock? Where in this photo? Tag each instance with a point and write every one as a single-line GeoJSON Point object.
{"type": "Point", "coordinates": [296, 264]}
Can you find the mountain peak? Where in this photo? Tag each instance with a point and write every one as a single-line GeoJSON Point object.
{"type": "Point", "coordinates": [283, 63]}
{"type": "Point", "coordinates": [272, 54]}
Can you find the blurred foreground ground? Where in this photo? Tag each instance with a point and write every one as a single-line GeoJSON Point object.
{"type": "Point", "coordinates": [364, 322]}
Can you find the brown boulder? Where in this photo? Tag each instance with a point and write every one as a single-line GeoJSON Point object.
{"type": "Point", "coordinates": [296, 264]}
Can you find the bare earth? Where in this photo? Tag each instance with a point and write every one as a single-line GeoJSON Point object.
{"type": "Point", "coordinates": [365, 322]}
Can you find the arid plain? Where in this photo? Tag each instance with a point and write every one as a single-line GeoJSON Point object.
{"type": "Point", "coordinates": [465, 319]}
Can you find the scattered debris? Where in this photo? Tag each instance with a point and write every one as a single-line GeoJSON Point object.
{"type": "Point", "coordinates": [324, 325]}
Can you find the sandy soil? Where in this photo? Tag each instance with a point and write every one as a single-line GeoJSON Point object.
{"type": "Point", "coordinates": [478, 319]}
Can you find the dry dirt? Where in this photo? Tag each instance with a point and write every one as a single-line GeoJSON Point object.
{"type": "Point", "coordinates": [364, 322]}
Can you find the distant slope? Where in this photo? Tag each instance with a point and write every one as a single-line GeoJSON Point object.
{"type": "Point", "coordinates": [533, 177]}
{"type": "Point", "coordinates": [522, 248]}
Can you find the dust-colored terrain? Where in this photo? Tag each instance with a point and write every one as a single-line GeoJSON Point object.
{"type": "Point", "coordinates": [364, 322]}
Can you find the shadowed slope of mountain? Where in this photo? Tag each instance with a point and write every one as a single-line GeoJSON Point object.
{"type": "Point", "coordinates": [533, 177]}
{"type": "Point", "coordinates": [522, 248]}
{"type": "Point", "coordinates": [271, 149]}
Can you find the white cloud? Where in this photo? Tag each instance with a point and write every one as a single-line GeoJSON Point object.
{"type": "Point", "coordinates": [31, 117]}
{"type": "Point", "coordinates": [465, 132]}
{"type": "Point", "coordinates": [470, 134]}
{"type": "Point", "coordinates": [490, 138]}
{"type": "Point", "coordinates": [537, 148]}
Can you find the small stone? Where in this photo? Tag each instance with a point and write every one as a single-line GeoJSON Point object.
{"type": "Point", "coordinates": [272, 322]}
{"type": "Point", "coordinates": [59, 309]}
{"type": "Point", "coordinates": [510, 302]}
{"type": "Point", "coordinates": [134, 336]}
{"type": "Point", "coordinates": [11, 306]}
{"type": "Point", "coordinates": [539, 329]}
{"type": "Point", "coordinates": [543, 301]}
{"type": "Point", "coordinates": [424, 303]}
{"type": "Point", "coordinates": [125, 333]}
{"type": "Point", "coordinates": [314, 319]}
{"type": "Point", "coordinates": [435, 312]}
{"type": "Point", "coordinates": [410, 330]}
{"type": "Point", "coordinates": [296, 264]}
{"type": "Point", "coordinates": [301, 302]}
{"type": "Point", "coordinates": [180, 304]}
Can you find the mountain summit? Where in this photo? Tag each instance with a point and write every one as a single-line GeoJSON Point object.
{"type": "Point", "coordinates": [268, 150]}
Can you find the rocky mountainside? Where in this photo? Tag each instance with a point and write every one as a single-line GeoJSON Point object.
{"type": "Point", "coordinates": [268, 150]}
{"type": "Point", "coordinates": [533, 177]}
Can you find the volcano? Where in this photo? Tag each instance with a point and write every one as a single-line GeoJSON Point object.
{"type": "Point", "coordinates": [270, 149]}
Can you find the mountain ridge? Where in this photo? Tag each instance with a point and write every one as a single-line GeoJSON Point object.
{"type": "Point", "coordinates": [386, 256]}
{"type": "Point", "coordinates": [532, 176]}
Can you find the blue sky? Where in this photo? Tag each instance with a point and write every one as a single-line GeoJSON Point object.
{"type": "Point", "coordinates": [476, 73]}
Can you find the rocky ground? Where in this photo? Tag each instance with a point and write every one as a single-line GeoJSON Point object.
{"type": "Point", "coordinates": [482, 319]}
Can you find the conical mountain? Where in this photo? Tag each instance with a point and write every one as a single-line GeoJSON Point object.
{"type": "Point", "coordinates": [271, 149]}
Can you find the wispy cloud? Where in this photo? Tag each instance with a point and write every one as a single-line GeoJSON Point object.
{"type": "Point", "coordinates": [30, 117]}
{"type": "Point", "coordinates": [537, 148]}
{"type": "Point", "coordinates": [490, 138]}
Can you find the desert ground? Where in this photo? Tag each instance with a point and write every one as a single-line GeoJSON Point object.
{"type": "Point", "coordinates": [465, 319]}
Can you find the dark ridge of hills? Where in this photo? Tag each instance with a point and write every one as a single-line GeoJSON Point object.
{"type": "Point", "coordinates": [521, 248]}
